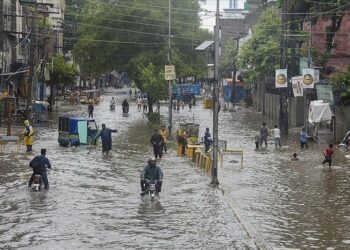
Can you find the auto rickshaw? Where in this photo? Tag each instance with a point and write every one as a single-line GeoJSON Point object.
{"type": "Point", "coordinates": [88, 96]}
{"type": "Point", "coordinates": [74, 131]}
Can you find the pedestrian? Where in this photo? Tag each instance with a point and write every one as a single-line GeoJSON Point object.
{"type": "Point", "coordinates": [144, 103]}
{"type": "Point", "coordinates": [91, 110]}
{"type": "Point", "coordinates": [174, 105]}
{"type": "Point", "coordinates": [190, 105]}
{"type": "Point", "coordinates": [130, 93]}
{"type": "Point", "coordinates": [295, 157]}
{"type": "Point", "coordinates": [182, 104]}
{"type": "Point", "coordinates": [182, 140]}
{"type": "Point", "coordinates": [106, 138]}
{"type": "Point", "coordinates": [157, 143]}
{"type": "Point", "coordinates": [207, 140]}
{"type": "Point", "coordinates": [165, 134]}
{"type": "Point", "coordinates": [178, 106]}
{"type": "Point", "coordinates": [257, 141]}
{"type": "Point", "coordinates": [277, 136]}
{"type": "Point", "coordinates": [303, 138]}
{"type": "Point", "coordinates": [139, 103]}
{"type": "Point", "coordinates": [264, 133]}
{"type": "Point", "coordinates": [40, 164]}
{"type": "Point", "coordinates": [328, 155]}
{"type": "Point", "coordinates": [28, 135]}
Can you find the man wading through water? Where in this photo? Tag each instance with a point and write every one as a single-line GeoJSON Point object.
{"type": "Point", "coordinates": [106, 138]}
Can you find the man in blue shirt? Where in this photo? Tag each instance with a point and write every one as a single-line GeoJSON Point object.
{"type": "Point", "coordinates": [39, 164]}
{"type": "Point", "coordinates": [207, 139]}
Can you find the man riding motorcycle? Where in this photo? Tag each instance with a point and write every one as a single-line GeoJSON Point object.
{"type": "Point", "coordinates": [39, 164]}
{"type": "Point", "coordinates": [151, 172]}
{"type": "Point", "coordinates": [125, 106]}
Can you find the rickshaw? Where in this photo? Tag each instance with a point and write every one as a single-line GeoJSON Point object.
{"type": "Point", "coordinates": [88, 96]}
{"type": "Point", "coordinates": [74, 131]}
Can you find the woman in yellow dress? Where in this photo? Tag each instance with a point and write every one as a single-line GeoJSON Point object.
{"type": "Point", "coordinates": [28, 135]}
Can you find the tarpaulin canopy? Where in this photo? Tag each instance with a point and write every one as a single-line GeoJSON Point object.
{"type": "Point", "coordinates": [319, 111]}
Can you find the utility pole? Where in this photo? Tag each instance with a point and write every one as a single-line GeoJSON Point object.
{"type": "Point", "coordinates": [170, 122]}
{"type": "Point", "coordinates": [283, 117]}
{"type": "Point", "coordinates": [306, 101]}
{"type": "Point", "coordinates": [31, 62]}
{"type": "Point", "coordinates": [214, 170]}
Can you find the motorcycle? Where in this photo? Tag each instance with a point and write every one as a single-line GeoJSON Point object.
{"type": "Point", "coordinates": [125, 111]}
{"type": "Point", "coordinates": [112, 107]}
{"type": "Point", "coordinates": [151, 188]}
{"type": "Point", "coordinates": [37, 182]}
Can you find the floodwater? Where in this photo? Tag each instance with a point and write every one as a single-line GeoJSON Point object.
{"type": "Point", "coordinates": [94, 201]}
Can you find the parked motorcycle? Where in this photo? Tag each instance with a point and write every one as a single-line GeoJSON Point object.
{"type": "Point", "coordinates": [37, 182]}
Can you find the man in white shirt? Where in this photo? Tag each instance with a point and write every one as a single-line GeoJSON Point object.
{"type": "Point", "coordinates": [277, 136]}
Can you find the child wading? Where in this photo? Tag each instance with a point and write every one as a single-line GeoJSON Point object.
{"type": "Point", "coordinates": [303, 139]}
{"type": "Point", "coordinates": [264, 133]}
{"type": "Point", "coordinates": [277, 136]}
{"type": "Point", "coordinates": [328, 155]}
{"type": "Point", "coordinates": [257, 141]}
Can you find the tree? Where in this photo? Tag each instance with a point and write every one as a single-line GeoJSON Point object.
{"type": "Point", "coordinates": [229, 59]}
{"type": "Point", "coordinates": [341, 83]}
{"type": "Point", "coordinates": [127, 36]}
{"type": "Point", "coordinates": [61, 73]}
{"type": "Point", "coordinates": [260, 55]}
{"type": "Point", "coordinates": [153, 84]}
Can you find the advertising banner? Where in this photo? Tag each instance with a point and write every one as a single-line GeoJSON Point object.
{"type": "Point", "coordinates": [281, 80]}
{"type": "Point", "coordinates": [297, 86]}
{"type": "Point", "coordinates": [308, 78]}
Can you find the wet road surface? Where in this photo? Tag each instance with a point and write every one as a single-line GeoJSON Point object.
{"type": "Point", "coordinates": [94, 200]}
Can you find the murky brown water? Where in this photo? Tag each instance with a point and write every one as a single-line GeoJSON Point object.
{"type": "Point", "coordinates": [94, 200]}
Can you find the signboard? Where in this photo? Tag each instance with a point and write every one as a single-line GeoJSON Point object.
{"type": "Point", "coordinates": [281, 80]}
{"type": "Point", "coordinates": [308, 78]}
{"type": "Point", "coordinates": [170, 72]}
{"type": "Point", "coordinates": [297, 86]}
{"type": "Point", "coordinates": [211, 72]}
{"type": "Point", "coordinates": [27, 1]}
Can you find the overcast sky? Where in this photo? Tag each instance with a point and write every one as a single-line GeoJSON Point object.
{"type": "Point", "coordinates": [208, 21]}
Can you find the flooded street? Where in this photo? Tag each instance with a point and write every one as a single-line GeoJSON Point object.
{"type": "Point", "coordinates": [94, 200]}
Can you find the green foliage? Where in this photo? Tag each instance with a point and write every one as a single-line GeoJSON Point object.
{"type": "Point", "coordinates": [229, 59]}
{"type": "Point", "coordinates": [128, 35]}
{"type": "Point", "coordinates": [341, 82]}
{"type": "Point", "coordinates": [154, 83]}
{"type": "Point", "coordinates": [260, 55]}
{"type": "Point", "coordinates": [62, 72]}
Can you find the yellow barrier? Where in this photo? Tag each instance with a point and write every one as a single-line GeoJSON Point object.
{"type": "Point", "coordinates": [202, 161]}
{"type": "Point", "coordinates": [205, 162]}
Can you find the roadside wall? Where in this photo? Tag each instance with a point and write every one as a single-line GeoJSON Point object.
{"type": "Point", "coordinates": [342, 120]}
{"type": "Point", "coordinates": [269, 105]}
